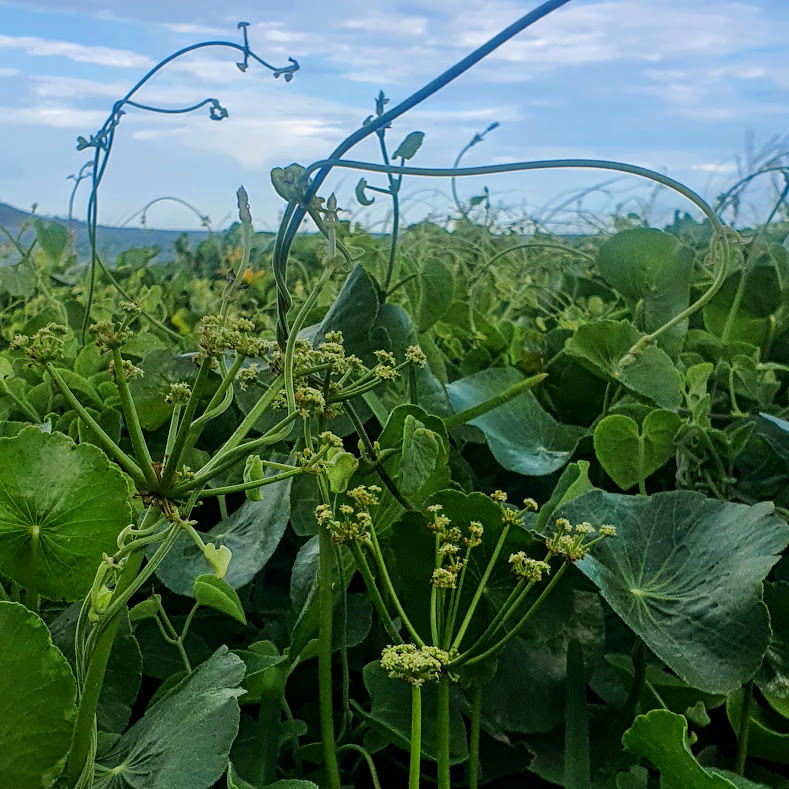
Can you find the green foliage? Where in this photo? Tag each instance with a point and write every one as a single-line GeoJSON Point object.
{"type": "Point", "coordinates": [52, 536]}
{"type": "Point", "coordinates": [37, 707]}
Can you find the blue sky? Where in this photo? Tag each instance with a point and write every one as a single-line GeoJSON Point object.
{"type": "Point", "coordinates": [667, 84]}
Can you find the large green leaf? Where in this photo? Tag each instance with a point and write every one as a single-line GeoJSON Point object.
{"type": "Point", "coordinates": [537, 670]}
{"type": "Point", "coordinates": [661, 737]}
{"type": "Point", "coordinates": [437, 290]}
{"type": "Point", "coordinates": [684, 572]}
{"type": "Point", "coordinates": [252, 533]}
{"type": "Point", "coordinates": [353, 313]}
{"type": "Point", "coordinates": [630, 455]}
{"type": "Point", "coordinates": [654, 268]}
{"type": "Point", "coordinates": [184, 738]}
{"type": "Point", "coordinates": [61, 507]}
{"type": "Point", "coordinates": [37, 695]}
{"type": "Point", "coordinates": [601, 346]}
{"type": "Point", "coordinates": [522, 436]}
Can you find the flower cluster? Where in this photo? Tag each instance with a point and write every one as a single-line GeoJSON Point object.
{"type": "Point", "coordinates": [528, 569]}
{"type": "Point", "coordinates": [179, 394]}
{"type": "Point", "coordinates": [44, 346]}
{"type": "Point", "coordinates": [355, 521]}
{"type": "Point", "coordinates": [416, 665]}
{"type": "Point", "coordinates": [449, 539]}
{"type": "Point", "coordinates": [572, 543]}
{"type": "Point", "coordinates": [129, 370]}
{"type": "Point", "coordinates": [108, 335]}
{"type": "Point", "coordinates": [217, 333]}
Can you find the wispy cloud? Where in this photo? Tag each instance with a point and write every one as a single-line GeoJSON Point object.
{"type": "Point", "coordinates": [100, 56]}
{"type": "Point", "coordinates": [55, 117]}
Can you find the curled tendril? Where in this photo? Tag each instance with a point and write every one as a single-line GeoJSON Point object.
{"type": "Point", "coordinates": [102, 141]}
{"type": "Point", "coordinates": [294, 214]}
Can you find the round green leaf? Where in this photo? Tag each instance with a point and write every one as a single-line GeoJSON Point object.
{"type": "Point", "coordinates": [61, 507]}
{"type": "Point", "coordinates": [684, 572]}
{"type": "Point", "coordinates": [629, 455]}
{"type": "Point", "coordinates": [37, 695]}
{"type": "Point", "coordinates": [522, 436]}
{"type": "Point", "coordinates": [217, 593]}
{"type": "Point", "coordinates": [184, 738]}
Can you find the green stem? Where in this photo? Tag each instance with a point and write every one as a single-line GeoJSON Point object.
{"type": "Point", "coordinates": [494, 402]}
{"type": "Point", "coordinates": [109, 446]}
{"type": "Point", "coordinates": [172, 431]}
{"type": "Point", "coordinates": [224, 460]}
{"type": "Point", "coordinates": [242, 486]}
{"type": "Point", "coordinates": [384, 573]}
{"type": "Point", "coordinates": [480, 590]}
{"type": "Point", "coordinates": [744, 729]}
{"type": "Point", "coordinates": [82, 739]}
{"type": "Point", "coordinates": [378, 602]}
{"type": "Point", "coordinates": [290, 348]}
{"type": "Point", "coordinates": [23, 406]}
{"type": "Point", "coordinates": [133, 426]}
{"type": "Point", "coordinates": [415, 767]}
{"type": "Point", "coordinates": [464, 659]}
{"type": "Point", "coordinates": [352, 746]}
{"type": "Point", "coordinates": [325, 606]}
{"type": "Point", "coordinates": [473, 747]}
{"type": "Point", "coordinates": [442, 733]}
{"type": "Point", "coordinates": [219, 403]}
{"type": "Point", "coordinates": [186, 422]}
{"type": "Point", "coordinates": [577, 773]}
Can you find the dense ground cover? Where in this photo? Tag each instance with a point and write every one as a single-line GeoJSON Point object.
{"type": "Point", "coordinates": [451, 505]}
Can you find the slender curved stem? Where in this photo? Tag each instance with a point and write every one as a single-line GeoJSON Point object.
{"type": "Point", "coordinates": [133, 426]}
{"type": "Point", "coordinates": [109, 446]}
{"type": "Point", "coordinates": [295, 214]}
{"type": "Point", "coordinates": [473, 746]}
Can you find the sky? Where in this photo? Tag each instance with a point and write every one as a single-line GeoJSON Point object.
{"type": "Point", "coordinates": [685, 88]}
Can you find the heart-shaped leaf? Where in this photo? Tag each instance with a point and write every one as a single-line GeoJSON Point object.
{"type": "Point", "coordinates": [601, 346]}
{"type": "Point", "coordinates": [217, 593]}
{"type": "Point", "coordinates": [628, 455]}
{"type": "Point", "coordinates": [37, 695]}
{"type": "Point", "coordinates": [684, 572]}
{"type": "Point", "coordinates": [522, 436]}
{"type": "Point", "coordinates": [653, 267]}
{"type": "Point", "coordinates": [184, 738]}
{"type": "Point", "coordinates": [61, 507]}
{"type": "Point", "coordinates": [52, 237]}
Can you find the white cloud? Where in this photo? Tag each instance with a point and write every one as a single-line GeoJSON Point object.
{"type": "Point", "coordinates": [56, 117]}
{"type": "Point", "coordinates": [623, 30]}
{"type": "Point", "coordinates": [9, 72]}
{"type": "Point", "coordinates": [100, 56]}
{"type": "Point", "coordinates": [388, 24]}
{"type": "Point", "coordinates": [186, 28]}
{"type": "Point", "coordinates": [715, 167]}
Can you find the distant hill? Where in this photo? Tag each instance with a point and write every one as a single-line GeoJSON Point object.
{"type": "Point", "coordinates": [112, 240]}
